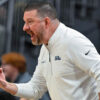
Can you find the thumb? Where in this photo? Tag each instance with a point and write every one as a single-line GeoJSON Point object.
{"type": "Point", "coordinates": [3, 82]}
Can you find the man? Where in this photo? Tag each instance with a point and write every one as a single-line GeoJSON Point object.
{"type": "Point", "coordinates": [68, 65]}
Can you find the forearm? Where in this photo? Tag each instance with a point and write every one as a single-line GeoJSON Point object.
{"type": "Point", "coordinates": [11, 88]}
{"type": "Point", "coordinates": [30, 90]}
{"type": "Point", "coordinates": [35, 88]}
{"type": "Point", "coordinates": [26, 90]}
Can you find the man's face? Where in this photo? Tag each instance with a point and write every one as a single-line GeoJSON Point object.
{"type": "Point", "coordinates": [34, 26]}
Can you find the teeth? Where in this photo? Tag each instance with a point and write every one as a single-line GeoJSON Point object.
{"type": "Point", "coordinates": [30, 33]}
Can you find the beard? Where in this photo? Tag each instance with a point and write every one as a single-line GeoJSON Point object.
{"type": "Point", "coordinates": [37, 41]}
{"type": "Point", "coordinates": [39, 37]}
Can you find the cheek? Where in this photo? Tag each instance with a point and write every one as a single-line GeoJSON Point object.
{"type": "Point", "coordinates": [10, 70]}
{"type": "Point", "coordinates": [34, 27]}
{"type": "Point", "coordinates": [37, 28]}
{"type": "Point", "coordinates": [41, 29]}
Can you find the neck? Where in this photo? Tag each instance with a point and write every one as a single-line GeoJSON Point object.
{"type": "Point", "coordinates": [54, 24]}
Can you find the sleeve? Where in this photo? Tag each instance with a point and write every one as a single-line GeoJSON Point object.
{"type": "Point", "coordinates": [35, 88]}
{"type": "Point", "coordinates": [84, 55]}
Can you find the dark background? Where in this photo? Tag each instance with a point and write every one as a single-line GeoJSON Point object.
{"type": "Point", "coordinates": [82, 15]}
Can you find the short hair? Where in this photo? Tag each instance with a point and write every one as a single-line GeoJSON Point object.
{"type": "Point", "coordinates": [44, 9]}
{"type": "Point", "coordinates": [16, 60]}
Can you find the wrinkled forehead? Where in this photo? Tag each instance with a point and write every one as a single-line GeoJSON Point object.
{"type": "Point", "coordinates": [29, 14]}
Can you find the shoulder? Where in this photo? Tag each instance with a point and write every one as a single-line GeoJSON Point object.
{"type": "Point", "coordinates": [74, 37]}
{"type": "Point", "coordinates": [71, 39]}
{"type": "Point", "coordinates": [66, 34]}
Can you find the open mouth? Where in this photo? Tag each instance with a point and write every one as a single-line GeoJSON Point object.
{"type": "Point", "coordinates": [32, 36]}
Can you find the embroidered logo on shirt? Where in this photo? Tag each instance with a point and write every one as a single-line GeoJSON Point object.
{"type": "Point", "coordinates": [57, 58]}
{"type": "Point", "coordinates": [87, 52]}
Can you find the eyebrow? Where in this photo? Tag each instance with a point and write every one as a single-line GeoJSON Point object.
{"type": "Point", "coordinates": [28, 19]}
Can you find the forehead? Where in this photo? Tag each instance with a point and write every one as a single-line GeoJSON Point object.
{"type": "Point", "coordinates": [3, 62]}
{"type": "Point", "coordinates": [30, 14]}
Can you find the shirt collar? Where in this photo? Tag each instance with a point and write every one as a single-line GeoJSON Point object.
{"type": "Point", "coordinates": [54, 37]}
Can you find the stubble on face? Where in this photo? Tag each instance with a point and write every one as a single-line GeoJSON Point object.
{"type": "Point", "coordinates": [39, 36]}
{"type": "Point", "coordinates": [36, 29]}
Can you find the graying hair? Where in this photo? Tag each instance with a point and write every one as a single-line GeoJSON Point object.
{"type": "Point", "coordinates": [44, 9]}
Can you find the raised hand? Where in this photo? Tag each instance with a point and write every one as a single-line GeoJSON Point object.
{"type": "Point", "coordinates": [8, 87]}
{"type": "Point", "coordinates": [3, 81]}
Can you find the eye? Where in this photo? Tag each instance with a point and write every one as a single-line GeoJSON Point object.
{"type": "Point", "coordinates": [30, 22]}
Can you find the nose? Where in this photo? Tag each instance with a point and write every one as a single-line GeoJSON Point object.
{"type": "Point", "coordinates": [25, 27]}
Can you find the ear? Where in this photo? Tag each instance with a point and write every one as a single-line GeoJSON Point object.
{"type": "Point", "coordinates": [47, 22]}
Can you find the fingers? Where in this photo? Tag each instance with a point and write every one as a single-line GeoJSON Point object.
{"type": "Point", "coordinates": [2, 75]}
{"type": "Point", "coordinates": [2, 83]}
{"type": "Point", "coordinates": [1, 70]}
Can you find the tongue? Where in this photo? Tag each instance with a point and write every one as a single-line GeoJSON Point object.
{"type": "Point", "coordinates": [32, 37]}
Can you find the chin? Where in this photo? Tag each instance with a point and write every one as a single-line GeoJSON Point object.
{"type": "Point", "coordinates": [35, 43]}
